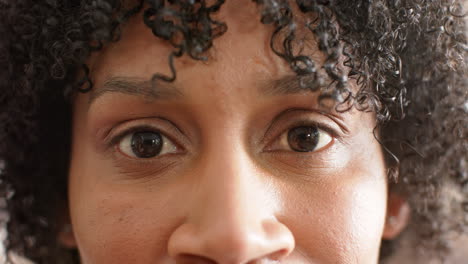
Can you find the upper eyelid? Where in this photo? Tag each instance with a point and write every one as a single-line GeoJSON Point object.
{"type": "Point", "coordinates": [279, 135]}
{"type": "Point", "coordinates": [319, 125]}
{"type": "Point", "coordinates": [284, 136]}
{"type": "Point", "coordinates": [115, 139]}
{"type": "Point", "coordinates": [275, 130]}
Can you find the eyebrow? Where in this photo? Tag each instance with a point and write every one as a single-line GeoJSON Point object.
{"type": "Point", "coordinates": [161, 90]}
{"type": "Point", "coordinates": [289, 84]}
{"type": "Point", "coordinates": [137, 86]}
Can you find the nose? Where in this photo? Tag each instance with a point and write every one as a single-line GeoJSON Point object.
{"type": "Point", "coordinates": [230, 216]}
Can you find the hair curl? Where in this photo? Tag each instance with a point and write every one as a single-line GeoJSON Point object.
{"type": "Point", "coordinates": [407, 57]}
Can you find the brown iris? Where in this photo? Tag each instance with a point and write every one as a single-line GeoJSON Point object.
{"type": "Point", "coordinates": [304, 138]}
{"type": "Point", "coordinates": [146, 144]}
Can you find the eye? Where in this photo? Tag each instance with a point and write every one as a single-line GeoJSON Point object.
{"type": "Point", "coordinates": [304, 139]}
{"type": "Point", "coordinates": [146, 144]}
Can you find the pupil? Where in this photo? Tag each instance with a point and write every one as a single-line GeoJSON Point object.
{"type": "Point", "coordinates": [303, 139]}
{"type": "Point", "coordinates": [146, 144]}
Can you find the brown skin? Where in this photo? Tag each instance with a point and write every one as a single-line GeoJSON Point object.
{"type": "Point", "coordinates": [227, 189]}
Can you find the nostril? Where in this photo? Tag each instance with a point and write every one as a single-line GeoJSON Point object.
{"type": "Point", "coordinates": [193, 259]}
{"type": "Point", "coordinates": [272, 258]}
{"type": "Point", "coordinates": [264, 261]}
{"type": "Point", "coordinates": [278, 255]}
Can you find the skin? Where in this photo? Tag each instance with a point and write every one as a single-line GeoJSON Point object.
{"type": "Point", "coordinates": [228, 191]}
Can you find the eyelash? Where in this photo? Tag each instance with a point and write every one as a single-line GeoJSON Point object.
{"type": "Point", "coordinates": [318, 125]}
{"type": "Point", "coordinates": [269, 139]}
{"type": "Point", "coordinates": [270, 136]}
{"type": "Point", "coordinates": [115, 140]}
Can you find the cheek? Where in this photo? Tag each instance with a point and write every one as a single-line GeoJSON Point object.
{"type": "Point", "coordinates": [117, 222]}
{"type": "Point", "coordinates": [366, 208]}
{"type": "Point", "coordinates": [341, 222]}
{"type": "Point", "coordinates": [116, 226]}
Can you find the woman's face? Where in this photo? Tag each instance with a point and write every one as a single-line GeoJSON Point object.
{"type": "Point", "coordinates": [230, 164]}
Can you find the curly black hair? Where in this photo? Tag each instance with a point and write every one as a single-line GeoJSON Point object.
{"type": "Point", "coordinates": [407, 56]}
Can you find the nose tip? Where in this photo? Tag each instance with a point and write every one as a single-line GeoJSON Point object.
{"type": "Point", "coordinates": [230, 216]}
{"type": "Point", "coordinates": [270, 241]}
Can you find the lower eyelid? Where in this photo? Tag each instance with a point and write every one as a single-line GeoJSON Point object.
{"type": "Point", "coordinates": [144, 168]}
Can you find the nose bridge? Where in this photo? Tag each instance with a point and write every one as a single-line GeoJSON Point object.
{"type": "Point", "coordinates": [230, 187]}
{"type": "Point", "coordinates": [230, 214]}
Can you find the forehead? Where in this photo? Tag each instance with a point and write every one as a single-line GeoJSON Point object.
{"type": "Point", "coordinates": [245, 46]}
